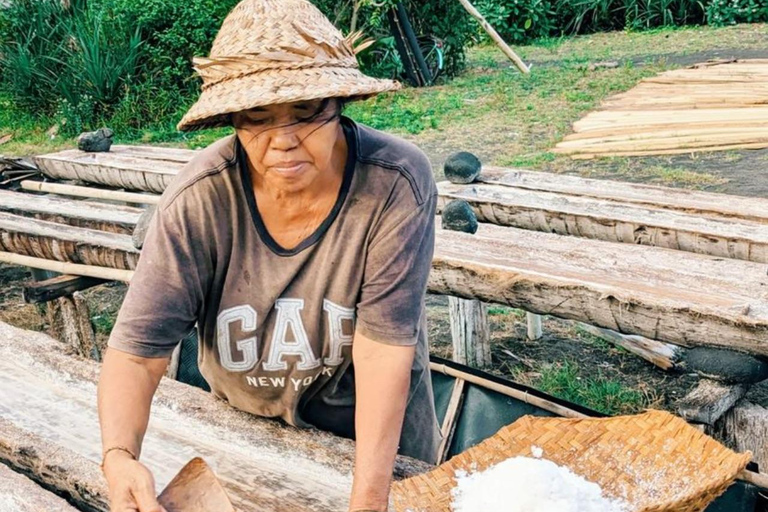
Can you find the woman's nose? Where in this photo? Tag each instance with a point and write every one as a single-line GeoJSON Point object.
{"type": "Point", "coordinates": [284, 138]}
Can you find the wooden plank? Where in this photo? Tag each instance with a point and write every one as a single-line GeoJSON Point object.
{"type": "Point", "coordinates": [664, 355]}
{"type": "Point", "coordinates": [43, 291]}
{"type": "Point", "coordinates": [709, 401]}
{"type": "Point", "coordinates": [53, 241]}
{"type": "Point", "coordinates": [680, 298]}
{"type": "Point", "coordinates": [109, 274]}
{"type": "Point", "coordinates": [676, 151]}
{"type": "Point", "coordinates": [448, 427]}
{"type": "Point", "coordinates": [20, 494]}
{"type": "Point", "coordinates": [611, 221]}
{"type": "Point", "coordinates": [49, 427]}
{"type": "Point", "coordinates": [470, 332]}
{"type": "Point", "coordinates": [693, 202]}
{"type": "Point", "coordinates": [103, 217]}
{"type": "Point", "coordinates": [517, 394]}
{"type": "Point", "coordinates": [90, 192]}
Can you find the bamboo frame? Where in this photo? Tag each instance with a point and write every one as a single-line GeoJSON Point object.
{"type": "Point", "coordinates": [111, 274]}
{"type": "Point", "coordinates": [93, 193]}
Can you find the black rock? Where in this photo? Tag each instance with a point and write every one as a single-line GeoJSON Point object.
{"type": "Point", "coordinates": [462, 168]}
{"type": "Point", "coordinates": [726, 365]}
{"type": "Point", "coordinates": [95, 142]}
{"type": "Point", "coordinates": [459, 216]}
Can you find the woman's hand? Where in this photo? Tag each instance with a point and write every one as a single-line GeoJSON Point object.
{"type": "Point", "coordinates": [131, 485]}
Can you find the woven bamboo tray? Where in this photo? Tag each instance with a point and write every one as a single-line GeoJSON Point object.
{"type": "Point", "coordinates": [654, 461]}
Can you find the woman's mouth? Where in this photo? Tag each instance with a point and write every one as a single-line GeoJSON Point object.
{"type": "Point", "coordinates": [289, 168]}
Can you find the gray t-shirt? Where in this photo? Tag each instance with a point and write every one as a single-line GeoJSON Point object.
{"type": "Point", "coordinates": [275, 325]}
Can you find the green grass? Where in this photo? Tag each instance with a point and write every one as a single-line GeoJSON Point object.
{"type": "Point", "coordinates": [515, 119]}
{"type": "Point", "coordinates": [565, 380]}
{"type": "Point", "coordinates": [104, 322]}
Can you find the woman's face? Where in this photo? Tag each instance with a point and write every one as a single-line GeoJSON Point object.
{"type": "Point", "coordinates": [290, 145]}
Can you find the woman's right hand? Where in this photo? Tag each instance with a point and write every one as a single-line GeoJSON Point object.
{"type": "Point", "coordinates": [131, 485]}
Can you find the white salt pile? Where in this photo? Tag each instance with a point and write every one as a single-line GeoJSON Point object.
{"type": "Point", "coordinates": [523, 484]}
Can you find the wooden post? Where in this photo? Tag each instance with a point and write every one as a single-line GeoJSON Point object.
{"type": "Point", "coordinates": [70, 323]}
{"type": "Point", "coordinates": [745, 427]}
{"type": "Point", "coordinates": [496, 37]}
{"type": "Point", "coordinates": [470, 332]}
{"type": "Point", "coordinates": [534, 326]}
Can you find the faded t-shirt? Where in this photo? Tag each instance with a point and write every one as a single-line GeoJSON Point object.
{"type": "Point", "coordinates": [276, 326]}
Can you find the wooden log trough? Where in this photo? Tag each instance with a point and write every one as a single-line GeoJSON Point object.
{"type": "Point", "coordinates": [145, 168]}
{"type": "Point", "coordinates": [49, 431]}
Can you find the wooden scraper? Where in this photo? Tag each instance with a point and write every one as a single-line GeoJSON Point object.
{"type": "Point", "coordinates": [195, 489]}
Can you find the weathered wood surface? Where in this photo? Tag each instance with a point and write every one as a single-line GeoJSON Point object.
{"type": "Point", "coordinates": [709, 401]}
{"type": "Point", "coordinates": [745, 427]}
{"type": "Point", "coordinates": [49, 289]}
{"type": "Point", "coordinates": [664, 355]}
{"type": "Point", "coordinates": [60, 242]}
{"type": "Point", "coordinates": [132, 167]}
{"type": "Point", "coordinates": [20, 494]}
{"type": "Point", "coordinates": [611, 221]}
{"type": "Point", "coordinates": [470, 332]}
{"type": "Point", "coordinates": [70, 323]}
{"type": "Point", "coordinates": [689, 201]}
{"type": "Point", "coordinates": [87, 214]}
{"type": "Point", "coordinates": [680, 298]}
{"type": "Point", "coordinates": [91, 192]}
{"type": "Point", "coordinates": [49, 426]}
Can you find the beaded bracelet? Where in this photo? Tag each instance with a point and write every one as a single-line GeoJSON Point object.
{"type": "Point", "coordinates": [113, 448]}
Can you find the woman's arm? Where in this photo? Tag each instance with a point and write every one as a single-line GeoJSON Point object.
{"type": "Point", "coordinates": [382, 380]}
{"type": "Point", "coordinates": [126, 386]}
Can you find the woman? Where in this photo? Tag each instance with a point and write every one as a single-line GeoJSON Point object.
{"type": "Point", "coordinates": [300, 246]}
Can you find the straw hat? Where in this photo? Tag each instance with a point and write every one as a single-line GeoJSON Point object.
{"type": "Point", "coordinates": [275, 51]}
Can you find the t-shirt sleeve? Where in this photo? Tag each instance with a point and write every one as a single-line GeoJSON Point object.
{"type": "Point", "coordinates": [397, 267]}
{"type": "Point", "coordinates": [166, 292]}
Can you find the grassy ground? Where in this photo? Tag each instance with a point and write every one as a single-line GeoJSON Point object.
{"type": "Point", "coordinates": [510, 119]}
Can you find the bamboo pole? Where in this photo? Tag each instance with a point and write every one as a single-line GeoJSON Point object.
{"type": "Point", "coordinates": [523, 396]}
{"type": "Point", "coordinates": [522, 66]}
{"type": "Point", "coordinates": [111, 274]}
{"type": "Point", "coordinates": [93, 193]}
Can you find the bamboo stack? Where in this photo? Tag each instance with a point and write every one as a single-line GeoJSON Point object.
{"type": "Point", "coordinates": [707, 107]}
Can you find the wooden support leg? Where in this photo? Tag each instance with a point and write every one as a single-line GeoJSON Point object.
{"type": "Point", "coordinates": [534, 326]}
{"type": "Point", "coordinates": [745, 427]}
{"type": "Point", "coordinates": [70, 323]}
{"type": "Point", "coordinates": [451, 418]}
{"type": "Point", "coordinates": [470, 332]}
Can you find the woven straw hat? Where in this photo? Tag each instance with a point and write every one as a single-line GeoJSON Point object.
{"type": "Point", "coordinates": [275, 51]}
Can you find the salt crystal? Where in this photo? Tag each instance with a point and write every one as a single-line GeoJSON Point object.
{"type": "Point", "coordinates": [537, 452]}
{"type": "Point", "coordinates": [523, 484]}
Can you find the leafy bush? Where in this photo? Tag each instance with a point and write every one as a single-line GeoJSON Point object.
{"type": "Point", "coordinates": [580, 16]}
{"type": "Point", "coordinates": [519, 21]}
{"type": "Point", "coordinates": [730, 12]}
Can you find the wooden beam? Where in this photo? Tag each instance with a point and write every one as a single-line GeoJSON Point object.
{"type": "Point", "coordinates": [709, 401]}
{"type": "Point", "coordinates": [694, 202]}
{"type": "Point", "coordinates": [50, 240]}
{"type": "Point", "coordinates": [611, 221]}
{"type": "Point", "coordinates": [87, 214]}
{"type": "Point", "coordinates": [451, 419]}
{"type": "Point", "coordinates": [522, 66]}
{"type": "Point", "coordinates": [470, 332]}
{"type": "Point", "coordinates": [664, 355]}
{"type": "Point", "coordinates": [108, 274]}
{"type": "Point", "coordinates": [671, 296]}
{"type": "Point", "coordinates": [43, 291]}
{"type": "Point", "coordinates": [90, 192]}
{"type": "Point", "coordinates": [49, 428]}
{"type": "Point", "coordinates": [542, 403]}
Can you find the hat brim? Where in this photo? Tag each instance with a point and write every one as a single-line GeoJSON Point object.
{"type": "Point", "coordinates": [220, 100]}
